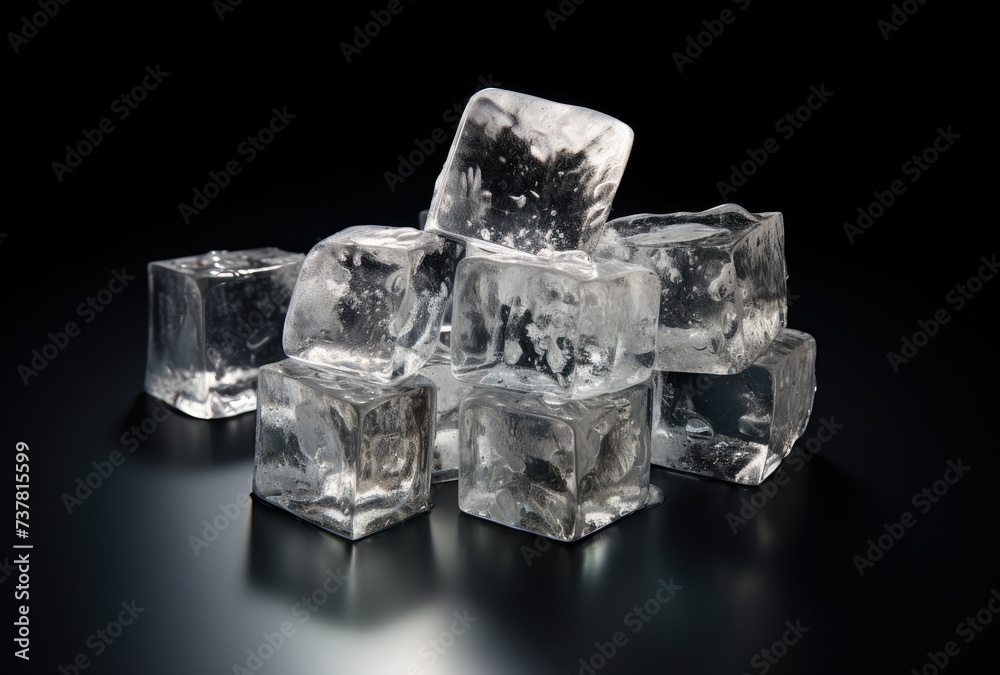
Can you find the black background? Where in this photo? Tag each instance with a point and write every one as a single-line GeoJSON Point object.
{"type": "Point", "coordinates": [326, 171]}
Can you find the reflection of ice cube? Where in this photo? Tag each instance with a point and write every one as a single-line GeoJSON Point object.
{"type": "Point", "coordinates": [370, 301]}
{"type": "Point", "coordinates": [561, 326]}
{"type": "Point", "coordinates": [529, 174]}
{"type": "Point", "coordinates": [213, 320]}
{"type": "Point", "coordinates": [736, 427]}
{"type": "Point", "coordinates": [561, 470]}
{"type": "Point", "coordinates": [350, 456]}
{"type": "Point", "coordinates": [722, 274]}
{"type": "Point", "coordinates": [444, 455]}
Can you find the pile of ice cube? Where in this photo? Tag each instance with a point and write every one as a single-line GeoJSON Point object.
{"type": "Point", "coordinates": [518, 342]}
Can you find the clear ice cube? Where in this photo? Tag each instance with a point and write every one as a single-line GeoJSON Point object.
{"type": "Point", "coordinates": [370, 301]}
{"type": "Point", "coordinates": [736, 427]}
{"type": "Point", "coordinates": [529, 174]}
{"type": "Point", "coordinates": [462, 249]}
{"type": "Point", "coordinates": [349, 456]}
{"type": "Point", "coordinates": [213, 320]}
{"type": "Point", "coordinates": [723, 294]}
{"type": "Point", "coordinates": [561, 470]}
{"type": "Point", "coordinates": [444, 454]}
{"type": "Point", "coordinates": [563, 326]}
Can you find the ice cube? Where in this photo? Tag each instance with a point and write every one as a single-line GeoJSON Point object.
{"type": "Point", "coordinates": [561, 470]}
{"type": "Point", "coordinates": [444, 454]}
{"type": "Point", "coordinates": [529, 174]}
{"type": "Point", "coordinates": [461, 250]}
{"type": "Point", "coordinates": [564, 326]}
{"type": "Point", "coordinates": [349, 456]}
{"type": "Point", "coordinates": [723, 295]}
{"type": "Point", "coordinates": [736, 427]}
{"type": "Point", "coordinates": [213, 320]}
{"type": "Point", "coordinates": [370, 301]}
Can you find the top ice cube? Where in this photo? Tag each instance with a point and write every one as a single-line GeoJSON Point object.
{"type": "Point", "coordinates": [723, 296]}
{"type": "Point", "coordinates": [370, 300]}
{"type": "Point", "coordinates": [528, 174]}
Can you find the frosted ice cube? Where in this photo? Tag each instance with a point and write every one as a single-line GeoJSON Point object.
{"type": "Point", "coordinates": [736, 427]}
{"type": "Point", "coordinates": [723, 295]}
{"type": "Point", "coordinates": [461, 251]}
{"type": "Point", "coordinates": [444, 455]}
{"type": "Point", "coordinates": [370, 301]}
{"type": "Point", "coordinates": [349, 456]}
{"type": "Point", "coordinates": [213, 320]}
{"type": "Point", "coordinates": [470, 250]}
{"type": "Point", "coordinates": [529, 174]}
{"type": "Point", "coordinates": [562, 326]}
{"type": "Point", "coordinates": [561, 470]}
